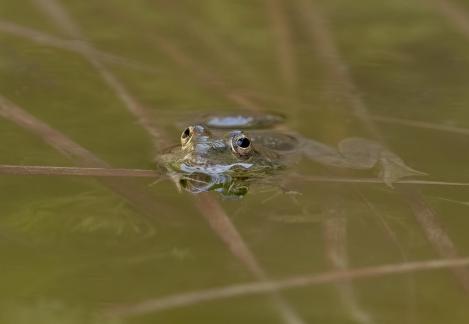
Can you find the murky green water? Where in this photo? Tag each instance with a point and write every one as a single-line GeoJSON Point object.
{"type": "Point", "coordinates": [102, 74]}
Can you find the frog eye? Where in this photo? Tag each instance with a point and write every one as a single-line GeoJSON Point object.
{"type": "Point", "coordinates": [186, 135]}
{"type": "Point", "coordinates": [241, 145]}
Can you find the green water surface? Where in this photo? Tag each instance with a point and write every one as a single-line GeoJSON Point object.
{"type": "Point", "coordinates": [73, 250]}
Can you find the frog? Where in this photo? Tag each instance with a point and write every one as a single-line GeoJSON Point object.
{"type": "Point", "coordinates": [227, 153]}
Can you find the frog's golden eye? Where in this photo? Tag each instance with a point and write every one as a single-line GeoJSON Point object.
{"type": "Point", "coordinates": [186, 135]}
{"type": "Point", "coordinates": [241, 145]}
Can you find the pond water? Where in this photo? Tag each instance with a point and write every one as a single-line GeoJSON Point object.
{"type": "Point", "coordinates": [101, 84]}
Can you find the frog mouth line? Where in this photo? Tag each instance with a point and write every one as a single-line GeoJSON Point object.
{"type": "Point", "coordinates": [229, 187]}
{"type": "Point", "coordinates": [215, 168]}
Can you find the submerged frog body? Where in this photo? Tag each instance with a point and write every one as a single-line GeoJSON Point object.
{"type": "Point", "coordinates": [226, 159]}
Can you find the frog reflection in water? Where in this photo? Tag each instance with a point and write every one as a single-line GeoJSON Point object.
{"type": "Point", "coordinates": [228, 163]}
